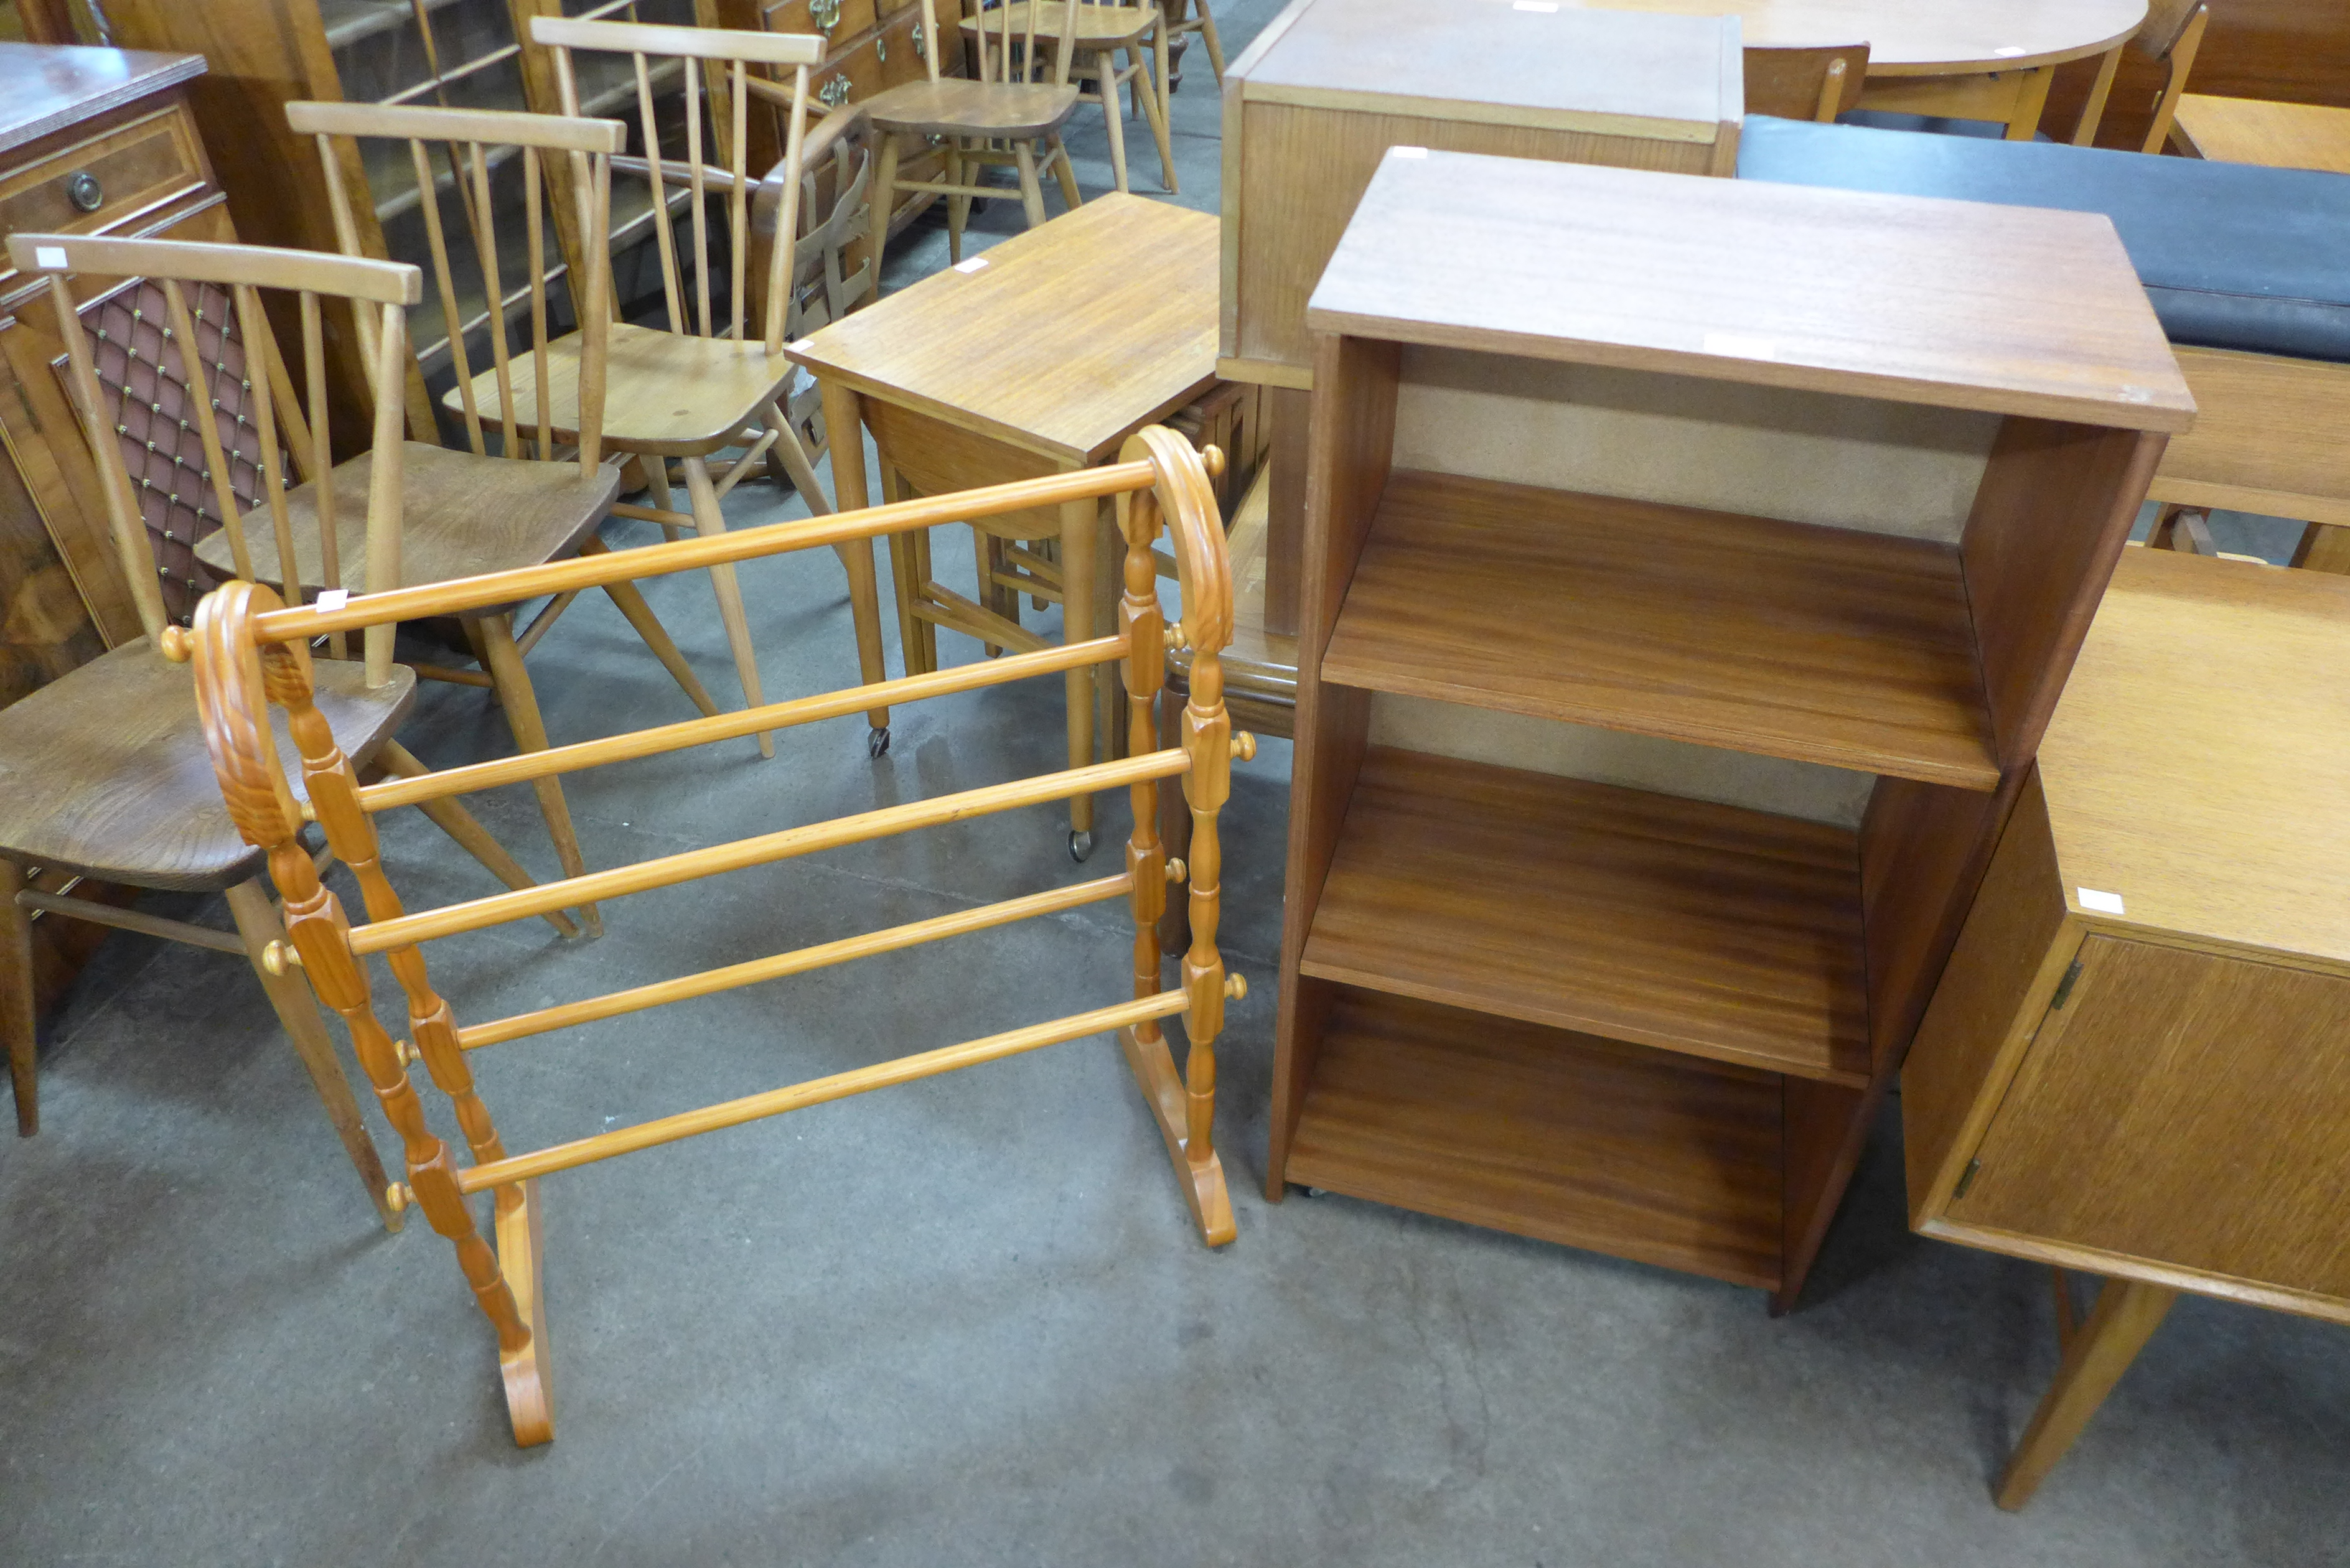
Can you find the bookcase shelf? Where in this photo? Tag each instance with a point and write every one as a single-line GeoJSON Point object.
{"type": "Point", "coordinates": [1888, 452]}
{"type": "Point", "coordinates": [1546, 1132]}
{"type": "Point", "coordinates": [1680, 924]}
{"type": "Point", "coordinates": [1827, 645]}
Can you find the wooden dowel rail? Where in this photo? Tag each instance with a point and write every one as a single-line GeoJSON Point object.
{"type": "Point", "coordinates": [528, 765]}
{"type": "Point", "coordinates": [817, 1091]}
{"type": "Point", "coordinates": [384, 935]}
{"type": "Point", "coordinates": [800, 960]}
{"type": "Point", "coordinates": [688, 554]}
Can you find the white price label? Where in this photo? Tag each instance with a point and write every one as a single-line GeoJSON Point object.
{"type": "Point", "coordinates": [2104, 903]}
{"type": "Point", "coordinates": [972, 266]}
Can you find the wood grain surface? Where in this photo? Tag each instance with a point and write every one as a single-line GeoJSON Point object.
{"type": "Point", "coordinates": [1062, 341]}
{"type": "Point", "coordinates": [1680, 924]}
{"type": "Point", "coordinates": [2199, 766]}
{"type": "Point", "coordinates": [1953, 304]}
{"type": "Point", "coordinates": [2277, 135]}
{"type": "Point", "coordinates": [1824, 645]}
{"type": "Point", "coordinates": [133, 799]}
{"type": "Point", "coordinates": [2267, 436]}
{"type": "Point", "coordinates": [2113, 1134]}
{"type": "Point", "coordinates": [1547, 1134]}
{"type": "Point", "coordinates": [1924, 38]}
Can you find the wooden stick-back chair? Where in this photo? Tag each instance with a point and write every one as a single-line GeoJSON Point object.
{"type": "Point", "coordinates": [1014, 109]}
{"type": "Point", "coordinates": [105, 766]}
{"type": "Point", "coordinates": [1099, 34]}
{"type": "Point", "coordinates": [836, 211]}
{"type": "Point", "coordinates": [252, 654]}
{"type": "Point", "coordinates": [545, 493]}
{"type": "Point", "coordinates": [705, 384]}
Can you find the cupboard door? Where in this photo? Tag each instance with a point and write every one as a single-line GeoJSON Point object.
{"type": "Point", "coordinates": [2186, 1109]}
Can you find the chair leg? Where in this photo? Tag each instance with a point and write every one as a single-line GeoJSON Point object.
{"type": "Point", "coordinates": [2126, 1314]}
{"type": "Point", "coordinates": [657, 491]}
{"type": "Point", "coordinates": [1150, 85]}
{"type": "Point", "coordinates": [631, 603]}
{"type": "Point", "coordinates": [297, 1009]}
{"type": "Point", "coordinates": [1032, 195]}
{"type": "Point", "coordinates": [885, 202]}
{"type": "Point", "coordinates": [1108, 84]}
{"type": "Point", "coordinates": [19, 1017]}
{"type": "Point", "coordinates": [710, 522]}
{"type": "Point", "coordinates": [1207, 35]}
{"type": "Point", "coordinates": [1064, 172]}
{"type": "Point", "coordinates": [989, 550]}
{"type": "Point", "coordinates": [530, 734]}
{"type": "Point", "coordinates": [460, 824]}
{"type": "Point", "coordinates": [958, 207]}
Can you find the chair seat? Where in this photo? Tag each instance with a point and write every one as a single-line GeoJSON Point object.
{"type": "Point", "coordinates": [1096, 24]}
{"type": "Point", "coordinates": [954, 106]}
{"type": "Point", "coordinates": [463, 515]}
{"type": "Point", "coordinates": [104, 770]}
{"type": "Point", "coordinates": [665, 393]}
{"type": "Point", "coordinates": [1931, 124]}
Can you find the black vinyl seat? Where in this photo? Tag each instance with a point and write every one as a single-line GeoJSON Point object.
{"type": "Point", "coordinates": [2232, 255]}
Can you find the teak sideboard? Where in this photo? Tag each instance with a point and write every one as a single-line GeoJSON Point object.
{"type": "Point", "coordinates": [1675, 641]}
{"type": "Point", "coordinates": [2138, 1064]}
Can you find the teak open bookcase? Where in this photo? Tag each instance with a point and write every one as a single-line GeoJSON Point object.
{"type": "Point", "coordinates": [1691, 569]}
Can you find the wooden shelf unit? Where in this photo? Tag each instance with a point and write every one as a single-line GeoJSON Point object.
{"type": "Point", "coordinates": [1675, 641]}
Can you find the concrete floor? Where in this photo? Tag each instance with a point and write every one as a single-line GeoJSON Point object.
{"type": "Point", "coordinates": [968, 1321]}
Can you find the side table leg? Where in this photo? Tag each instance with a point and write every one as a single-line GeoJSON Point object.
{"type": "Point", "coordinates": [2126, 1314]}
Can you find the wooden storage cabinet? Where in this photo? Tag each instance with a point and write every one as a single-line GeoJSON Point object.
{"type": "Point", "coordinates": [2136, 1064]}
{"type": "Point", "coordinates": [1671, 652]}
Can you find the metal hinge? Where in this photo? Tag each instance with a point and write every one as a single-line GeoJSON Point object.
{"type": "Point", "coordinates": [2065, 986]}
{"type": "Point", "coordinates": [1966, 1180]}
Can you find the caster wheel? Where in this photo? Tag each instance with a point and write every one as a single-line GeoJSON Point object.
{"type": "Point", "coordinates": [876, 743]}
{"type": "Point", "coordinates": [1314, 1192]}
{"type": "Point", "coordinates": [1080, 845]}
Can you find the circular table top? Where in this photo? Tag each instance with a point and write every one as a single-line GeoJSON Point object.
{"type": "Point", "coordinates": [1924, 38]}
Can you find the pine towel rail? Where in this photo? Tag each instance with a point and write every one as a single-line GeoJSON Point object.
{"type": "Point", "coordinates": [251, 651]}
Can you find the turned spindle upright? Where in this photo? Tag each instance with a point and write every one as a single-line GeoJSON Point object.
{"type": "Point", "coordinates": [251, 653]}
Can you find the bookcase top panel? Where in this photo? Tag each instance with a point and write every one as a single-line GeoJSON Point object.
{"type": "Point", "coordinates": [1487, 60]}
{"type": "Point", "coordinates": [2011, 310]}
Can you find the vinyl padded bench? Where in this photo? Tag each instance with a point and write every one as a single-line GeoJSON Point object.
{"type": "Point", "coordinates": [2247, 267]}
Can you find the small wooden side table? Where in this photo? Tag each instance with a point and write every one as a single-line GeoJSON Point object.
{"type": "Point", "coordinates": [1040, 356]}
{"type": "Point", "coordinates": [2138, 1062]}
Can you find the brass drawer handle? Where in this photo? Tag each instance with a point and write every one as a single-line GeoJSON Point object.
{"type": "Point", "coordinates": [881, 47]}
{"type": "Point", "coordinates": [918, 37]}
{"type": "Point", "coordinates": [834, 93]}
{"type": "Point", "coordinates": [825, 14]}
{"type": "Point", "coordinates": [85, 193]}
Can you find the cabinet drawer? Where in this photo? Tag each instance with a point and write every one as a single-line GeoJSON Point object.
{"type": "Point", "coordinates": [899, 47]}
{"type": "Point", "coordinates": [93, 185]}
{"type": "Point", "coordinates": [836, 21]}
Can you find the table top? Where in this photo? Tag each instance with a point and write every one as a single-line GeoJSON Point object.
{"type": "Point", "coordinates": [1060, 340]}
{"type": "Point", "coordinates": [2277, 135]}
{"type": "Point", "coordinates": [44, 87]}
{"type": "Point", "coordinates": [1923, 38]}
{"type": "Point", "coordinates": [2199, 765]}
{"type": "Point", "coordinates": [1572, 69]}
{"type": "Point", "coordinates": [1961, 304]}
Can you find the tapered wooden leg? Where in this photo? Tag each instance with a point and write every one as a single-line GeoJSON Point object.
{"type": "Point", "coordinates": [958, 207]}
{"type": "Point", "coordinates": [1031, 194]}
{"type": "Point", "coordinates": [19, 1019]}
{"type": "Point", "coordinates": [530, 733]}
{"type": "Point", "coordinates": [631, 603]}
{"type": "Point", "coordinates": [481, 655]}
{"type": "Point", "coordinates": [885, 202]}
{"type": "Point", "coordinates": [1207, 37]}
{"type": "Point", "coordinates": [1150, 87]}
{"type": "Point", "coordinates": [1065, 173]}
{"type": "Point", "coordinates": [298, 1010]}
{"type": "Point", "coordinates": [1107, 83]}
{"type": "Point", "coordinates": [710, 522]}
{"type": "Point", "coordinates": [988, 549]}
{"type": "Point", "coordinates": [460, 824]}
{"type": "Point", "coordinates": [2126, 1314]}
{"type": "Point", "coordinates": [658, 492]}
{"type": "Point", "coordinates": [844, 431]}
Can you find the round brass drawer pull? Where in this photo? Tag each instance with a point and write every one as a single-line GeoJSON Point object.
{"type": "Point", "coordinates": [85, 193]}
